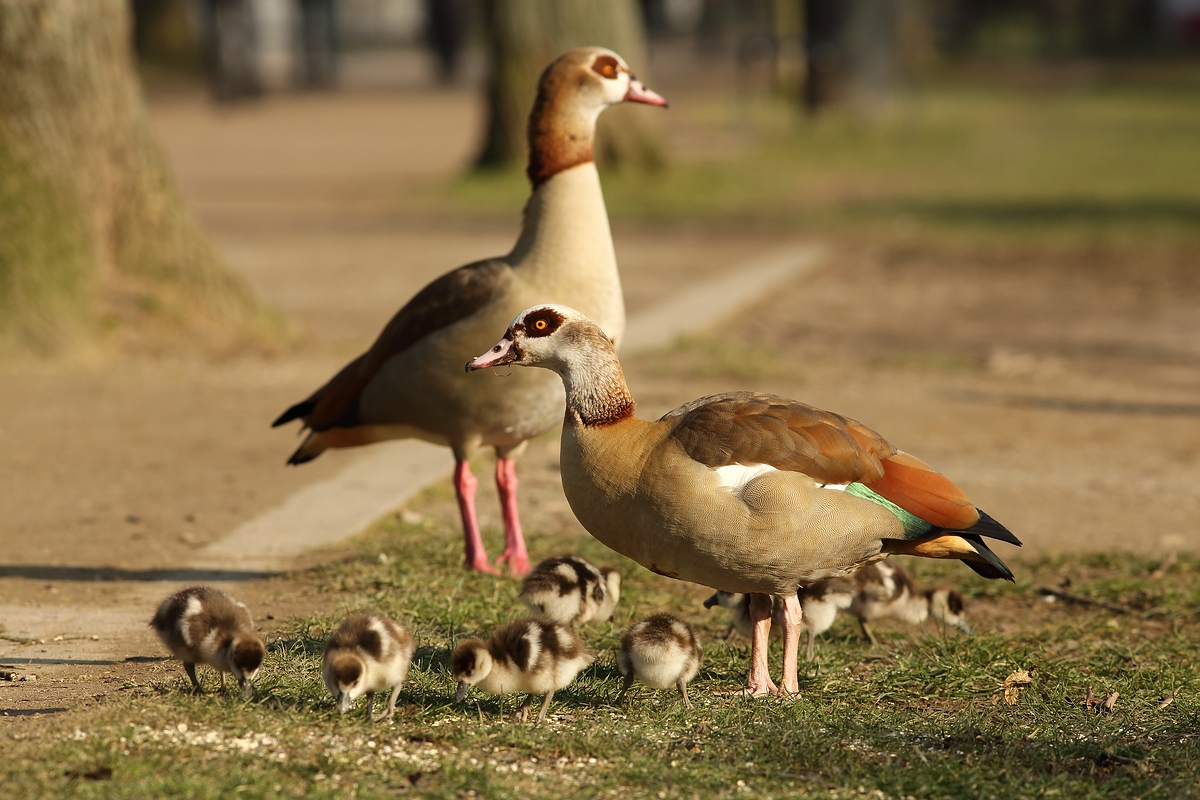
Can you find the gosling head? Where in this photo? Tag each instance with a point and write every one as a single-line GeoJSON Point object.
{"type": "Point", "coordinates": [469, 664]}
{"type": "Point", "coordinates": [245, 654]}
{"type": "Point", "coordinates": [947, 605]}
{"type": "Point", "coordinates": [344, 675]}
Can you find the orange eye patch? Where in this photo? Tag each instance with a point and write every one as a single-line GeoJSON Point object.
{"type": "Point", "coordinates": [606, 66]}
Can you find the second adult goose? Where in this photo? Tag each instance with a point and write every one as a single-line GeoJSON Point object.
{"type": "Point", "coordinates": [742, 492]}
{"type": "Point", "coordinates": [408, 384]}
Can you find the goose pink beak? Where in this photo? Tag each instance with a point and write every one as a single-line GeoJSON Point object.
{"type": "Point", "coordinates": [505, 352]}
{"type": "Point", "coordinates": [638, 93]}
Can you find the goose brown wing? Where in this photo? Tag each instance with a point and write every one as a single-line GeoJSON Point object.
{"type": "Point", "coordinates": [751, 428]}
{"type": "Point", "coordinates": [452, 297]}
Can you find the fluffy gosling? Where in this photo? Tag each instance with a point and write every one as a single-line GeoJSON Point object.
{"type": "Point", "coordinates": [659, 651]}
{"type": "Point", "coordinates": [571, 591]}
{"type": "Point", "coordinates": [887, 591]}
{"type": "Point", "coordinates": [365, 655]}
{"type": "Point", "coordinates": [202, 625]}
{"type": "Point", "coordinates": [534, 655]}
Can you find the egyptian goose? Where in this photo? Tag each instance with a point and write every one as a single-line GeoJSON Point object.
{"type": "Point", "coordinates": [533, 655]}
{"type": "Point", "coordinates": [202, 625]}
{"type": "Point", "coordinates": [886, 591]}
{"type": "Point", "coordinates": [742, 492]}
{"type": "Point", "coordinates": [407, 385]}
{"type": "Point", "coordinates": [660, 651]}
{"type": "Point", "coordinates": [819, 606]}
{"type": "Point", "coordinates": [365, 655]}
{"type": "Point", "coordinates": [570, 591]}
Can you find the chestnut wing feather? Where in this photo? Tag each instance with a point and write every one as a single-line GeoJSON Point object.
{"type": "Point", "coordinates": [751, 428]}
{"type": "Point", "coordinates": [452, 297]}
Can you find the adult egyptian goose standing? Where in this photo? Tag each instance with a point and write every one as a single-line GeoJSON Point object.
{"type": "Point", "coordinates": [409, 385]}
{"type": "Point", "coordinates": [743, 492]}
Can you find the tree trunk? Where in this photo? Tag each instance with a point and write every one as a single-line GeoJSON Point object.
{"type": "Point", "coordinates": [95, 242]}
{"type": "Point", "coordinates": [524, 36]}
{"type": "Point", "coordinates": [851, 53]}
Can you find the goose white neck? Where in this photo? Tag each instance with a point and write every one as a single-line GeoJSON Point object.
{"type": "Point", "coordinates": [597, 394]}
{"type": "Point", "coordinates": [566, 244]}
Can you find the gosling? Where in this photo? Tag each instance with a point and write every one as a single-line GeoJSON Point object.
{"type": "Point", "coordinates": [365, 655]}
{"type": "Point", "coordinates": [659, 651]}
{"type": "Point", "coordinates": [886, 591]}
{"type": "Point", "coordinates": [571, 591]}
{"type": "Point", "coordinates": [202, 625]}
{"type": "Point", "coordinates": [534, 655]}
{"type": "Point", "coordinates": [819, 604]}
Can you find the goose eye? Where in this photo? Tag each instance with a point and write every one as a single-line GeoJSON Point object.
{"type": "Point", "coordinates": [606, 67]}
{"type": "Point", "coordinates": [540, 324]}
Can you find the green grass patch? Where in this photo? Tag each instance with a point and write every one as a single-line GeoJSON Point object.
{"type": "Point", "coordinates": [922, 716]}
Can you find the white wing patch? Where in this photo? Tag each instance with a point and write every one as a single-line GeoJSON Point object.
{"type": "Point", "coordinates": [193, 607]}
{"type": "Point", "coordinates": [734, 477]}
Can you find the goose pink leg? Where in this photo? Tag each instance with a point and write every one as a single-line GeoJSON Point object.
{"type": "Point", "coordinates": [514, 553]}
{"type": "Point", "coordinates": [760, 683]}
{"type": "Point", "coordinates": [789, 683]}
{"type": "Point", "coordinates": [465, 486]}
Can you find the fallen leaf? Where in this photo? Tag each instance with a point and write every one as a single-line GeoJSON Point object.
{"type": "Point", "coordinates": [1090, 700]}
{"type": "Point", "coordinates": [1110, 700]}
{"type": "Point", "coordinates": [1166, 701]}
{"type": "Point", "coordinates": [1013, 685]}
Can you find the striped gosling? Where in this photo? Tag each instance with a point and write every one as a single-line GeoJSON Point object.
{"type": "Point", "coordinates": [365, 655]}
{"type": "Point", "coordinates": [202, 625]}
{"type": "Point", "coordinates": [659, 651]}
{"type": "Point", "coordinates": [534, 655]}
{"type": "Point", "coordinates": [571, 591]}
{"type": "Point", "coordinates": [887, 591]}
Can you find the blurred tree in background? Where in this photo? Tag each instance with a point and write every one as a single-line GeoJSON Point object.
{"type": "Point", "coordinates": [524, 36]}
{"type": "Point", "coordinates": [94, 238]}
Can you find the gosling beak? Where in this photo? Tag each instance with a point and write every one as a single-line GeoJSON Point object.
{"type": "Point", "coordinates": [505, 352]}
{"type": "Point", "coordinates": [247, 689]}
{"type": "Point", "coordinates": [343, 702]}
{"type": "Point", "coordinates": [638, 93]}
{"type": "Point", "coordinates": [963, 626]}
{"type": "Point", "coordinates": [712, 601]}
{"type": "Point", "coordinates": [463, 686]}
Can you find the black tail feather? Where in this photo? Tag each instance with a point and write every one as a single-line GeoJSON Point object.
{"type": "Point", "coordinates": [993, 530]}
{"type": "Point", "coordinates": [994, 569]}
{"type": "Point", "coordinates": [298, 411]}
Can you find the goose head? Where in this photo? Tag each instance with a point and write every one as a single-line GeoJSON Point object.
{"type": "Point", "coordinates": [550, 336]}
{"type": "Point", "coordinates": [593, 78]}
{"type": "Point", "coordinates": [572, 93]}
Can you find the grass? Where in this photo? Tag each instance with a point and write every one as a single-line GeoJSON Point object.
{"type": "Point", "coordinates": [1109, 160]}
{"type": "Point", "coordinates": [923, 716]}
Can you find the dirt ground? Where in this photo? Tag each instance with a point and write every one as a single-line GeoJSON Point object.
{"type": "Point", "coordinates": [1065, 405]}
